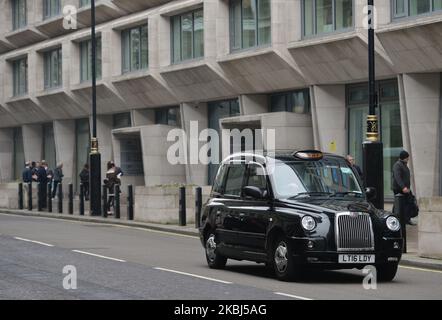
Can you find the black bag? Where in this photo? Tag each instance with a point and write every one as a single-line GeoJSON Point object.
{"type": "Point", "coordinates": [412, 206]}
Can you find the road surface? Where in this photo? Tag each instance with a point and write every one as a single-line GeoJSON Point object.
{"type": "Point", "coordinates": [115, 262]}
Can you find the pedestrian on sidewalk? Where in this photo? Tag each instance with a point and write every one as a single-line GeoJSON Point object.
{"type": "Point", "coordinates": [84, 179]}
{"type": "Point", "coordinates": [402, 193]}
{"type": "Point", "coordinates": [58, 178]}
{"type": "Point", "coordinates": [27, 179]}
{"type": "Point", "coordinates": [112, 179]}
{"type": "Point", "coordinates": [42, 179]}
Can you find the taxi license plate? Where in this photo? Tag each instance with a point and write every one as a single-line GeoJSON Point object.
{"type": "Point", "coordinates": [356, 258]}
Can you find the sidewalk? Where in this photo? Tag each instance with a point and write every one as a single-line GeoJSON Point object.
{"type": "Point", "coordinates": [410, 259]}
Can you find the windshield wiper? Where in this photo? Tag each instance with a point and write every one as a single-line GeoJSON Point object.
{"type": "Point", "coordinates": [311, 193]}
{"type": "Point", "coordinates": [345, 193]}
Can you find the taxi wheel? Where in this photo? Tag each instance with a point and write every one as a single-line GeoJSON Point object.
{"type": "Point", "coordinates": [214, 259]}
{"type": "Point", "coordinates": [283, 261]}
{"type": "Point", "coordinates": [386, 272]}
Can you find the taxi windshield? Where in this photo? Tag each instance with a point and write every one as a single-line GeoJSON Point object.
{"type": "Point", "coordinates": [330, 177]}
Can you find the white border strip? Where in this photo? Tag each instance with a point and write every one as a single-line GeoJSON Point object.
{"type": "Point", "coordinates": [192, 275]}
{"type": "Point", "coordinates": [33, 241]}
{"type": "Point", "coordinates": [98, 256]}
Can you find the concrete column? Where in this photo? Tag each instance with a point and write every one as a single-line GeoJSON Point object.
{"type": "Point", "coordinates": [422, 102]}
{"type": "Point", "coordinates": [157, 169]}
{"type": "Point", "coordinates": [222, 28]}
{"type": "Point", "coordinates": [210, 15]}
{"type": "Point", "coordinates": [6, 155]}
{"type": "Point", "coordinates": [64, 135]}
{"type": "Point", "coordinates": [329, 115]}
{"type": "Point", "coordinates": [195, 173]}
{"type": "Point", "coordinates": [104, 135]}
{"type": "Point", "coordinates": [254, 104]}
{"type": "Point", "coordinates": [163, 37]}
{"type": "Point", "coordinates": [33, 141]}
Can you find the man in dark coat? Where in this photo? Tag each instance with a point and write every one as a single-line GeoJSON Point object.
{"type": "Point", "coordinates": [27, 173]}
{"type": "Point", "coordinates": [42, 179]}
{"type": "Point", "coordinates": [401, 188]}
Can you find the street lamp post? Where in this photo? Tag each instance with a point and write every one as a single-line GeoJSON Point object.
{"type": "Point", "coordinates": [94, 157]}
{"type": "Point", "coordinates": [372, 147]}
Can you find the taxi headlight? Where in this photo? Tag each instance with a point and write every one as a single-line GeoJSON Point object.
{"type": "Point", "coordinates": [393, 223]}
{"type": "Point", "coordinates": [308, 223]}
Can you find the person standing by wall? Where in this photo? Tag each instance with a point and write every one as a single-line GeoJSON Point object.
{"type": "Point", "coordinates": [58, 178]}
{"type": "Point", "coordinates": [402, 192]}
{"type": "Point", "coordinates": [42, 179]}
{"type": "Point", "coordinates": [84, 179]}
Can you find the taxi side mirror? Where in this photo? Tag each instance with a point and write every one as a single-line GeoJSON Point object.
{"type": "Point", "coordinates": [370, 193]}
{"type": "Point", "coordinates": [253, 192]}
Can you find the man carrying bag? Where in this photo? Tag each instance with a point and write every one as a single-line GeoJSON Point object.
{"type": "Point", "coordinates": [405, 204]}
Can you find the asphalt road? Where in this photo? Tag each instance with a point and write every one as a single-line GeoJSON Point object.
{"type": "Point", "coordinates": [115, 262]}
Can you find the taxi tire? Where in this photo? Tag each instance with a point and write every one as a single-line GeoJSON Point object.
{"type": "Point", "coordinates": [293, 271]}
{"type": "Point", "coordinates": [386, 272]}
{"type": "Point", "coordinates": [220, 261]}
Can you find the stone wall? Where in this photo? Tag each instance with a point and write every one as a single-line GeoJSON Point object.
{"type": "Point", "coordinates": [430, 228]}
{"type": "Point", "coordinates": [160, 204]}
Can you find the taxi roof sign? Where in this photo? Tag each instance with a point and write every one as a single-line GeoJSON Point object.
{"type": "Point", "coordinates": [309, 155]}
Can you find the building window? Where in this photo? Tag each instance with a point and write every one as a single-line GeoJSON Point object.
{"type": "Point", "coordinates": [86, 60]}
{"type": "Point", "coordinates": [135, 49]}
{"type": "Point", "coordinates": [250, 23]}
{"type": "Point", "coordinates": [168, 116]}
{"type": "Point", "coordinates": [390, 124]}
{"type": "Point", "coordinates": [49, 145]}
{"type": "Point", "coordinates": [20, 76]}
{"type": "Point", "coordinates": [84, 3]}
{"type": "Point", "coordinates": [53, 69]}
{"type": "Point", "coordinates": [187, 36]}
{"type": "Point", "coordinates": [295, 101]}
{"type": "Point", "coordinates": [325, 16]}
{"type": "Point", "coordinates": [51, 8]}
{"type": "Point", "coordinates": [122, 120]}
{"type": "Point", "coordinates": [131, 156]}
{"type": "Point", "coordinates": [216, 111]}
{"type": "Point", "coordinates": [404, 8]}
{"type": "Point", "coordinates": [19, 14]}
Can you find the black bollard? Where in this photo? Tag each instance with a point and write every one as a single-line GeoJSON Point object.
{"type": "Point", "coordinates": [30, 196]}
{"type": "Point", "coordinates": [49, 198]}
{"type": "Point", "coordinates": [60, 198]}
{"type": "Point", "coordinates": [81, 199]}
{"type": "Point", "coordinates": [39, 197]}
{"type": "Point", "coordinates": [117, 201]}
{"type": "Point", "coordinates": [105, 208]}
{"type": "Point", "coordinates": [71, 199]}
{"type": "Point", "coordinates": [130, 202]}
{"type": "Point", "coordinates": [198, 205]}
{"type": "Point", "coordinates": [182, 207]}
{"type": "Point", "coordinates": [20, 196]}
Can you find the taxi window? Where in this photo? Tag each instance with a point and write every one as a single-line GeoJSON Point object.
{"type": "Point", "coordinates": [257, 177]}
{"type": "Point", "coordinates": [235, 178]}
{"type": "Point", "coordinates": [218, 183]}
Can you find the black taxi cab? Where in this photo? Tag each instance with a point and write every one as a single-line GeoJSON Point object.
{"type": "Point", "coordinates": [296, 211]}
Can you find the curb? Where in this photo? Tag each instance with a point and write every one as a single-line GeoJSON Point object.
{"type": "Point", "coordinates": [110, 221]}
{"type": "Point", "coordinates": [430, 264]}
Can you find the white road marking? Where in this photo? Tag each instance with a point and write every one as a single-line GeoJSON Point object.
{"type": "Point", "coordinates": [192, 275]}
{"type": "Point", "coordinates": [98, 256]}
{"type": "Point", "coordinates": [33, 241]}
{"type": "Point", "coordinates": [292, 296]}
{"type": "Point", "coordinates": [421, 269]}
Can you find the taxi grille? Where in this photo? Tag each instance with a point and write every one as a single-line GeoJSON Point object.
{"type": "Point", "coordinates": [354, 232]}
